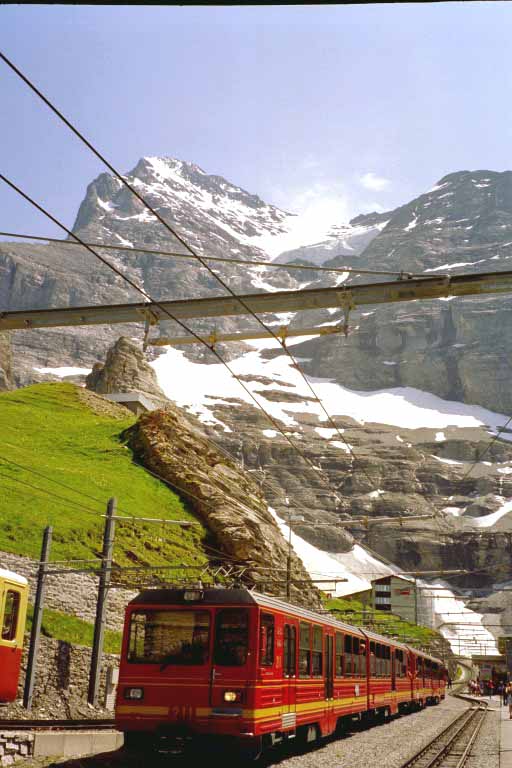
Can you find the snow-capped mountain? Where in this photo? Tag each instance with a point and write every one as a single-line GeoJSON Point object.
{"type": "Point", "coordinates": [340, 240]}
{"type": "Point", "coordinates": [411, 436]}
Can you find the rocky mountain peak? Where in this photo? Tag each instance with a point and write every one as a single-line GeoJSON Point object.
{"type": "Point", "coordinates": [204, 207]}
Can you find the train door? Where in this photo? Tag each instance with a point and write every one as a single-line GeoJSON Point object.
{"type": "Point", "coordinates": [329, 681]}
{"type": "Point", "coordinates": [290, 635]}
{"type": "Point", "coordinates": [229, 671]}
{"type": "Point", "coordinates": [393, 669]}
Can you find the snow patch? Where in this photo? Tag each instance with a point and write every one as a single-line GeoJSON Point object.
{"type": "Point", "coordinates": [64, 370]}
{"type": "Point", "coordinates": [487, 520]}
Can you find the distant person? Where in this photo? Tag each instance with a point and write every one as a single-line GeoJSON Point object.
{"type": "Point", "coordinates": [510, 703]}
{"type": "Point", "coordinates": [449, 682]}
{"type": "Point", "coordinates": [490, 685]}
{"type": "Point", "coordinates": [507, 695]}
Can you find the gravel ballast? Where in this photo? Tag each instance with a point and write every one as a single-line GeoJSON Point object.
{"type": "Point", "coordinates": [385, 745]}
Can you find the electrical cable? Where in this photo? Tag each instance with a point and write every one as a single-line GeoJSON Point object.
{"type": "Point", "coordinates": [50, 493]}
{"type": "Point", "coordinates": [172, 317]}
{"type": "Point", "coordinates": [183, 242]}
{"type": "Point", "coordinates": [486, 449]}
{"type": "Point", "coordinates": [242, 262]}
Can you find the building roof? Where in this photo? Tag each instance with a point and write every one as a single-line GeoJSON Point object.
{"type": "Point", "coordinates": [132, 397]}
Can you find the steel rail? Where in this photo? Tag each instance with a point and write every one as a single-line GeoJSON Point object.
{"type": "Point", "coordinates": [467, 724]}
{"type": "Point", "coordinates": [481, 283]}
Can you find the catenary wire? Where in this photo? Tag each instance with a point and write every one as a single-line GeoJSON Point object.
{"type": "Point", "coordinates": [185, 244]}
{"type": "Point", "coordinates": [486, 449]}
{"type": "Point", "coordinates": [50, 493]}
{"type": "Point", "coordinates": [166, 312]}
{"type": "Point", "coordinates": [243, 262]}
{"type": "Point", "coordinates": [195, 255]}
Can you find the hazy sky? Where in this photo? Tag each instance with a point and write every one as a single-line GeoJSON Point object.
{"type": "Point", "coordinates": [338, 109]}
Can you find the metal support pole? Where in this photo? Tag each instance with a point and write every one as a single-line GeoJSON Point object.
{"type": "Point", "coordinates": [289, 561]}
{"type": "Point", "coordinates": [415, 600]}
{"type": "Point", "coordinates": [99, 624]}
{"type": "Point", "coordinates": [28, 691]}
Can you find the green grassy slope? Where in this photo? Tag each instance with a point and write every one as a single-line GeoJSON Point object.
{"type": "Point", "coordinates": [72, 630]}
{"type": "Point", "coordinates": [354, 612]}
{"type": "Point", "coordinates": [48, 428]}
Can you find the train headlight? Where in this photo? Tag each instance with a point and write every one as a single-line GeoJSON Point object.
{"type": "Point", "coordinates": [135, 694]}
{"type": "Point", "coordinates": [232, 696]}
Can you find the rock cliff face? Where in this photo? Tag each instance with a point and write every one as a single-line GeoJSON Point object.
{"type": "Point", "coordinates": [457, 349]}
{"type": "Point", "coordinates": [6, 372]}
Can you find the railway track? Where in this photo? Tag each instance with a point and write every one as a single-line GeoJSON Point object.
{"type": "Point", "coordinates": [452, 747]}
{"type": "Point", "coordinates": [57, 725]}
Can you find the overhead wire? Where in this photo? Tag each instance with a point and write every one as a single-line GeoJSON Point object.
{"type": "Point", "coordinates": [243, 262]}
{"type": "Point", "coordinates": [203, 262]}
{"type": "Point", "coordinates": [185, 244]}
{"type": "Point", "coordinates": [166, 312]}
{"type": "Point", "coordinates": [486, 449]}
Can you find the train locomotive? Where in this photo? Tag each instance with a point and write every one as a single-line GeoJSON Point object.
{"type": "Point", "coordinates": [13, 611]}
{"type": "Point", "coordinates": [249, 670]}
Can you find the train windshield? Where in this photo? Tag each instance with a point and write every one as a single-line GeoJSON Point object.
{"type": "Point", "coordinates": [169, 637]}
{"type": "Point", "coordinates": [231, 637]}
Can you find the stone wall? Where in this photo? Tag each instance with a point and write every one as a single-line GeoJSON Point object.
{"type": "Point", "coordinates": [15, 745]}
{"type": "Point", "coordinates": [62, 679]}
{"type": "Point", "coordinates": [71, 593]}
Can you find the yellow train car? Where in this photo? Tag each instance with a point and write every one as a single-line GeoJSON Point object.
{"type": "Point", "coordinates": [13, 615]}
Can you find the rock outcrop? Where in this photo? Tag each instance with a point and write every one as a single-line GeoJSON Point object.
{"type": "Point", "coordinates": [224, 497]}
{"type": "Point", "coordinates": [125, 370]}
{"type": "Point", "coordinates": [6, 372]}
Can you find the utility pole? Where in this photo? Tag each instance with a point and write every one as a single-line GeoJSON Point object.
{"type": "Point", "coordinates": [99, 624]}
{"type": "Point", "coordinates": [35, 634]}
{"type": "Point", "coordinates": [291, 519]}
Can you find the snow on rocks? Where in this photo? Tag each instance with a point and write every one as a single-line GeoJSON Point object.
{"type": "Point", "coordinates": [189, 383]}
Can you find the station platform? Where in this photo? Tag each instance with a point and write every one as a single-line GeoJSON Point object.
{"type": "Point", "coordinates": [505, 738]}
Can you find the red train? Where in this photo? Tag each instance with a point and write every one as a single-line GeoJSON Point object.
{"type": "Point", "coordinates": [13, 610]}
{"type": "Point", "coordinates": [252, 670]}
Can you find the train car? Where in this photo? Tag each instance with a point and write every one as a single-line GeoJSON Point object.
{"type": "Point", "coordinates": [13, 611]}
{"type": "Point", "coordinates": [252, 670]}
{"type": "Point", "coordinates": [429, 679]}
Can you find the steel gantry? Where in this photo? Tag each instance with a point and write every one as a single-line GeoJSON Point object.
{"type": "Point", "coordinates": [345, 299]}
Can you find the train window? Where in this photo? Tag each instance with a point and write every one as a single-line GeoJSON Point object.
{"type": "Point", "coordinates": [399, 663]}
{"type": "Point", "coordinates": [289, 658]}
{"type": "Point", "coordinates": [339, 654]}
{"type": "Point", "coordinates": [304, 650]}
{"type": "Point", "coordinates": [379, 653]}
{"type": "Point", "coordinates": [349, 667]}
{"type": "Point", "coordinates": [169, 637]}
{"type": "Point", "coordinates": [266, 640]}
{"type": "Point", "coordinates": [231, 637]}
{"type": "Point", "coordinates": [11, 613]}
{"type": "Point", "coordinates": [356, 659]}
{"type": "Point", "coordinates": [373, 660]}
{"type": "Point", "coordinates": [317, 660]}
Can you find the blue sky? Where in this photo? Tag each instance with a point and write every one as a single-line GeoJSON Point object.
{"type": "Point", "coordinates": [336, 109]}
